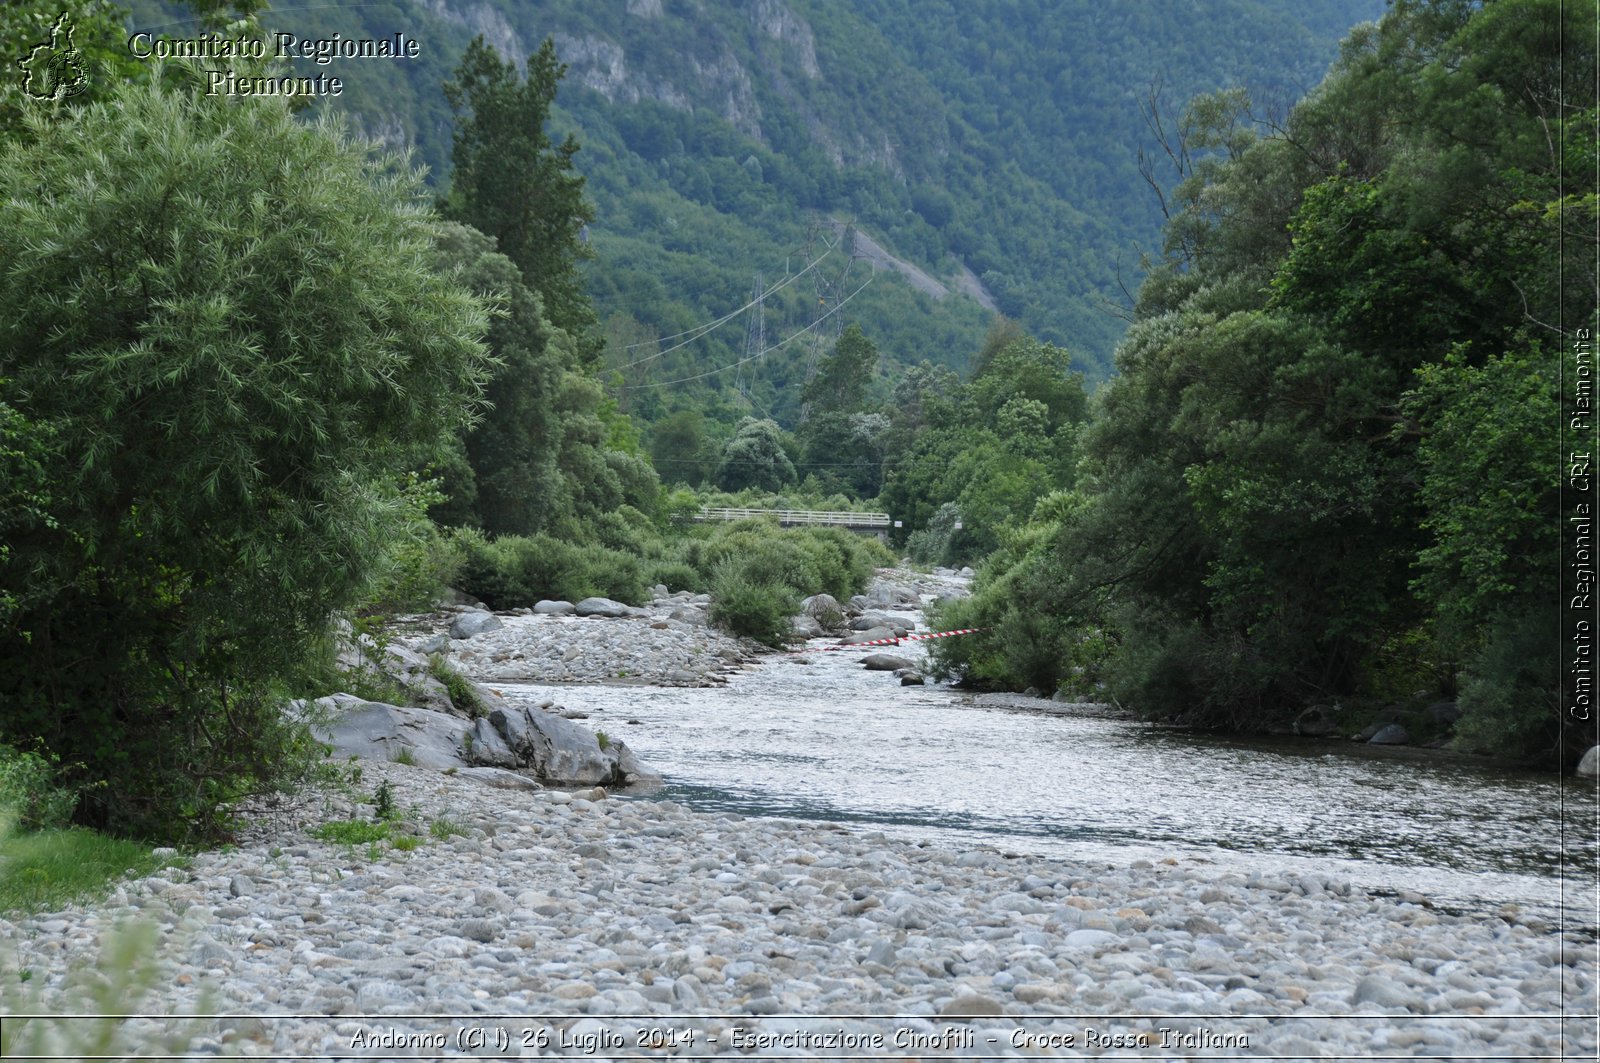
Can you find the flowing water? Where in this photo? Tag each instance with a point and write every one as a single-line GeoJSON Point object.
{"type": "Point", "coordinates": [829, 741]}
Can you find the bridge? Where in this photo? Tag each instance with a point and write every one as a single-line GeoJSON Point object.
{"type": "Point", "coordinates": [868, 523]}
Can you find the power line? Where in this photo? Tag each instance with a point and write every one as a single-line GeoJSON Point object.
{"type": "Point", "coordinates": [776, 347]}
{"type": "Point", "coordinates": [707, 328]}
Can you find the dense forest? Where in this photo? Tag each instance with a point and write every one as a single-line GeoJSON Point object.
{"type": "Point", "coordinates": [258, 375]}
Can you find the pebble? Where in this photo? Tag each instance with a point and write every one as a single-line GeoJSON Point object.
{"type": "Point", "coordinates": [632, 907]}
{"type": "Point", "coordinates": [550, 646]}
{"type": "Point", "coordinates": [563, 921]}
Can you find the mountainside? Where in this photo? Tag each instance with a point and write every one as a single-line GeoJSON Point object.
{"type": "Point", "coordinates": [960, 158]}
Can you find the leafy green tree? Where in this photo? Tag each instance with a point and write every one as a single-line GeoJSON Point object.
{"type": "Point", "coordinates": [755, 457]}
{"type": "Point", "coordinates": [1493, 511]}
{"type": "Point", "coordinates": [231, 324]}
{"type": "Point", "coordinates": [681, 449]}
{"type": "Point", "coordinates": [507, 479]}
{"type": "Point", "coordinates": [510, 180]}
{"type": "Point", "coordinates": [844, 378]}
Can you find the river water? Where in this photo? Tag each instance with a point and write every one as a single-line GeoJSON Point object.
{"type": "Point", "coordinates": [829, 741]}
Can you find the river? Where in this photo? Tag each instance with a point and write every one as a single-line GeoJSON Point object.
{"type": "Point", "coordinates": [829, 741]}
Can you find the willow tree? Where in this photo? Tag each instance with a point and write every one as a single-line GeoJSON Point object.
{"type": "Point", "coordinates": [226, 333]}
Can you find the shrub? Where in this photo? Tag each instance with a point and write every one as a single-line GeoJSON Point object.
{"type": "Point", "coordinates": [676, 576]}
{"type": "Point", "coordinates": [518, 570]}
{"type": "Point", "coordinates": [29, 792]}
{"type": "Point", "coordinates": [752, 609]}
{"type": "Point", "coordinates": [463, 694]}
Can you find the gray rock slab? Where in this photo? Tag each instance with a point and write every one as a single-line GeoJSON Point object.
{"type": "Point", "coordinates": [547, 607]}
{"type": "Point", "coordinates": [375, 731]}
{"type": "Point", "coordinates": [862, 637]}
{"type": "Point", "coordinates": [1590, 764]}
{"type": "Point", "coordinates": [500, 778]}
{"type": "Point", "coordinates": [1390, 735]}
{"type": "Point", "coordinates": [467, 625]}
{"type": "Point", "coordinates": [602, 607]}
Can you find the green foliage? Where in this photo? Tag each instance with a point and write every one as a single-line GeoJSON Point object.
{"type": "Point", "coordinates": [443, 828]}
{"type": "Point", "coordinates": [223, 462]}
{"type": "Point", "coordinates": [518, 571]}
{"type": "Point", "coordinates": [383, 801]}
{"type": "Point", "coordinates": [756, 458]}
{"type": "Point", "coordinates": [511, 182]}
{"type": "Point", "coordinates": [1326, 470]}
{"type": "Point", "coordinates": [745, 605]}
{"type": "Point", "coordinates": [985, 452]}
{"type": "Point", "coordinates": [1510, 703]}
{"type": "Point", "coordinates": [351, 831]}
{"type": "Point", "coordinates": [463, 693]}
{"type": "Point", "coordinates": [30, 797]}
{"type": "Point", "coordinates": [844, 378]}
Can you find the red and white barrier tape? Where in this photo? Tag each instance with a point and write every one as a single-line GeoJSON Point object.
{"type": "Point", "coordinates": [893, 641]}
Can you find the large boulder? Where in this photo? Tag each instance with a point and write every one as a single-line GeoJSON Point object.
{"type": "Point", "coordinates": [825, 610]}
{"type": "Point", "coordinates": [602, 607]}
{"type": "Point", "coordinates": [885, 662]}
{"type": "Point", "coordinates": [1590, 764]}
{"type": "Point", "coordinates": [806, 627]}
{"type": "Point", "coordinates": [375, 731]}
{"type": "Point", "coordinates": [883, 593]}
{"type": "Point", "coordinates": [869, 620]}
{"type": "Point", "coordinates": [1315, 722]}
{"type": "Point", "coordinates": [468, 625]}
{"type": "Point", "coordinates": [563, 753]}
{"type": "Point", "coordinates": [876, 634]}
{"type": "Point", "coordinates": [531, 741]}
{"type": "Point", "coordinates": [546, 607]}
{"type": "Point", "coordinates": [1390, 734]}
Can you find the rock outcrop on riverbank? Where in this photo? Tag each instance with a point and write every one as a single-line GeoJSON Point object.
{"type": "Point", "coordinates": [592, 919]}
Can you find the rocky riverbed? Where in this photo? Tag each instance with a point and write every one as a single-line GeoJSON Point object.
{"type": "Point", "coordinates": [485, 921]}
{"type": "Point", "coordinates": [572, 924]}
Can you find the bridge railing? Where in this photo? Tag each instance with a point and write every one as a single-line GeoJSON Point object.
{"type": "Point", "coordinates": [798, 516]}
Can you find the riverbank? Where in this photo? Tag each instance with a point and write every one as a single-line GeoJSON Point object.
{"type": "Point", "coordinates": [575, 924]}
{"type": "Point", "coordinates": [596, 918]}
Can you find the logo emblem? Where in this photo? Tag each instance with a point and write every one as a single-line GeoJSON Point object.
{"type": "Point", "coordinates": [55, 68]}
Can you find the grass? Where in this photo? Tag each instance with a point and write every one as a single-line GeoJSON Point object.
{"type": "Point", "coordinates": [442, 828]}
{"type": "Point", "coordinates": [48, 870]}
{"type": "Point", "coordinates": [463, 695]}
{"type": "Point", "coordinates": [351, 831]}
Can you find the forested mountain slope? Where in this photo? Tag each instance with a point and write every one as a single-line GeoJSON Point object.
{"type": "Point", "coordinates": [992, 146]}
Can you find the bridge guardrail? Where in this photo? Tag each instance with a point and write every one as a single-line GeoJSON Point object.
{"type": "Point", "coordinates": [799, 516]}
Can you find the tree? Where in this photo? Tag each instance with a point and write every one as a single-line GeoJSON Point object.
{"type": "Point", "coordinates": [511, 182]}
{"type": "Point", "coordinates": [845, 377]}
{"type": "Point", "coordinates": [507, 480]}
{"type": "Point", "coordinates": [755, 457]}
{"type": "Point", "coordinates": [680, 447]}
{"type": "Point", "coordinates": [231, 327]}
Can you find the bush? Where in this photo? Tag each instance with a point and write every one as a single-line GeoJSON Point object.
{"type": "Point", "coordinates": [752, 609]}
{"type": "Point", "coordinates": [29, 792]}
{"type": "Point", "coordinates": [517, 571]}
{"type": "Point", "coordinates": [677, 576]}
{"type": "Point", "coordinates": [224, 461]}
